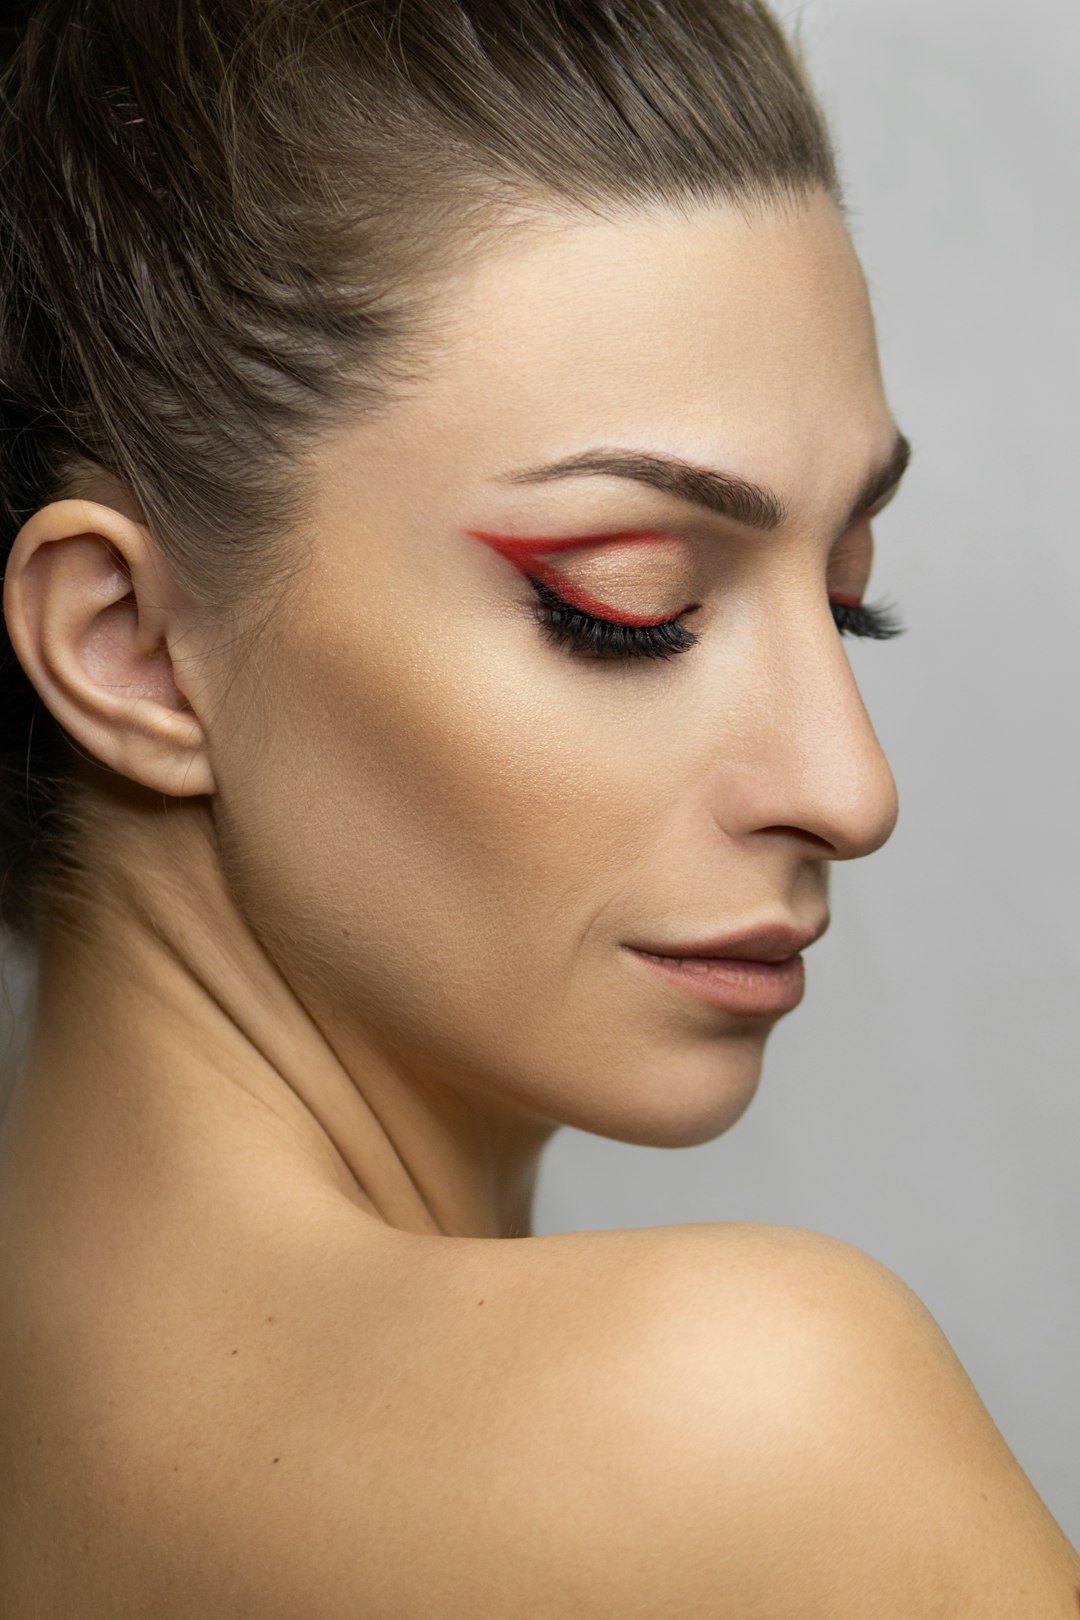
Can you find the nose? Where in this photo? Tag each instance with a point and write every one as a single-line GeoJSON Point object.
{"type": "Point", "coordinates": [811, 763]}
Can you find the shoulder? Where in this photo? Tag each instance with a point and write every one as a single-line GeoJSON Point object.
{"type": "Point", "coordinates": [750, 1417]}
{"type": "Point", "coordinates": [800, 1437]}
{"type": "Point", "coordinates": [702, 1419]}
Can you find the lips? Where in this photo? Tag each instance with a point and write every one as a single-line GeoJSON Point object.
{"type": "Point", "coordinates": [736, 985]}
{"type": "Point", "coordinates": [773, 942]}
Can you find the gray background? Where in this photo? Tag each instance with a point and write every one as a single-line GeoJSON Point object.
{"type": "Point", "coordinates": [923, 1103]}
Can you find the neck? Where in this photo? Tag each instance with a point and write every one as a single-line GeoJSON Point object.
{"type": "Point", "coordinates": [158, 1006]}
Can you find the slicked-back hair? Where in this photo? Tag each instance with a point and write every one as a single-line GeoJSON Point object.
{"type": "Point", "coordinates": [224, 224]}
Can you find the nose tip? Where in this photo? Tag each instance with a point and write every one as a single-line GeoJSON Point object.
{"type": "Point", "coordinates": [815, 766]}
{"type": "Point", "coordinates": [857, 805]}
{"type": "Point", "coordinates": [850, 795]}
{"type": "Point", "coordinates": [862, 806]}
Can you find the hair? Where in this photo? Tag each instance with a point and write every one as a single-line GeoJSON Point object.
{"type": "Point", "coordinates": [225, 223]}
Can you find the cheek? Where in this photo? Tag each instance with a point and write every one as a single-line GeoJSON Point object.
{"type": "Point", "coordinates": [429, 826]}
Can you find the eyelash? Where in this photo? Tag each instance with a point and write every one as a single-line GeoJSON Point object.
{"type": "Point", "coordinates": [564, 624]}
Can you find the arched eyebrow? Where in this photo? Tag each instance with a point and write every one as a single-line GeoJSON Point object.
{"type": "Point", "coordinates": [724, 494]}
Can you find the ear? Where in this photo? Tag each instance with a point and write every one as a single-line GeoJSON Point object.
{"type": "Point", "coordinates": [92, 612]}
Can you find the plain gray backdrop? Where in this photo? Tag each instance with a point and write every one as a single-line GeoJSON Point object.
{"type": "Point", "coordinates": [923, 1103]}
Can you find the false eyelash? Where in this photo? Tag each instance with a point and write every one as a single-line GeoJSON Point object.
{"type": "Point", "coordinates": [879, 622]}
{"type": "Point", "coordinates": [563, 623]}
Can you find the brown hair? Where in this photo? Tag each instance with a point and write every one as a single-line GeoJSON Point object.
{"type": "Point", "coordinates": [224, 222]}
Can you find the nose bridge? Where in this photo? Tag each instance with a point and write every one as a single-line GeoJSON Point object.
{"type": "Point", "coordinates": [819, 767]}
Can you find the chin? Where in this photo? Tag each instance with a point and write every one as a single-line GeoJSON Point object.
{"type": "Point", "coordinates": [676, 1100]}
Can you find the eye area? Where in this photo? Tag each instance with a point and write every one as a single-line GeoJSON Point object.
{"type": "Point", "coordinates": [588, 635]}
{"type": "Point", "coordinates": [562, 624]}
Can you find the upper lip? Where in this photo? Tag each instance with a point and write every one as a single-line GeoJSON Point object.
{"type": "Point", "coordinates": [773, 942]}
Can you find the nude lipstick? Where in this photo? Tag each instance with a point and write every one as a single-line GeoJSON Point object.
{"type": "Point", "coordinates": [759, 973]}
{"type": "Point", "coordinates": [756, 989]}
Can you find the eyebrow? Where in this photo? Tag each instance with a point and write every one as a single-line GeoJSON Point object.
{"type": "Point", "coordinates": [721, 493]}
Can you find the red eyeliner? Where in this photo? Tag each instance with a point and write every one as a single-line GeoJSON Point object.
{"type": "Point", "coordinates": [524, 546]}
{"type": "Point", "coordinates": [524, 553]}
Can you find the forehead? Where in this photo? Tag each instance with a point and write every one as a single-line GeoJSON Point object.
{"type": "Point", "coordinates": [740, 343]}
{"type": "Point", "coordinates": [703, 333]}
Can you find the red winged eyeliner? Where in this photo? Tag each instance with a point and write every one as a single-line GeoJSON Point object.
{"type": "Point", "coordinates": [524, 553]}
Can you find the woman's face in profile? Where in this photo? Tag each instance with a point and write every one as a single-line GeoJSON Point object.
{"type": "Point", "coordinates": [454, 824]}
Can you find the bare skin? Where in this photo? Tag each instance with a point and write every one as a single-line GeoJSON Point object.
{"type": "Point", "coordinates": [359, 945]}
{"type": "Point", "coordinates": [415, 824]}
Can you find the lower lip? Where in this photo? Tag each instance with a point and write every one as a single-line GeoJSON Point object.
{"type": "Point", "coordinates": [759, 989]}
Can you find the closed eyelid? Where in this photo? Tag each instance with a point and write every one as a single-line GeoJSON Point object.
{"type": "Point", "coordinates": [575, 597]}
{"type": "Point", "coordinates": [525, 551]}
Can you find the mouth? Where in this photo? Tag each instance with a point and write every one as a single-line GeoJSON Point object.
{"type": "Point", "coordinates": [737, 985]}
{"type": "Point", "coordinates": [770, 944]}
{"type": "Point", "coordinates": [759, 973]}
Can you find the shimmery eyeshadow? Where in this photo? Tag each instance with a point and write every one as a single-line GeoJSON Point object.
{"type": "Point", "coordinates": [514, 546]}
{"type": "Point", "coordinates": [524, 552]}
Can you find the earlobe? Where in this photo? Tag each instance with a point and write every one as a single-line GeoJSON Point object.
{"type": "Point", "coordinates": [89, 614]}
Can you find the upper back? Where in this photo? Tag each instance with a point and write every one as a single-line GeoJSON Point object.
{"type": "Point", "coordinates": [703, 1420]}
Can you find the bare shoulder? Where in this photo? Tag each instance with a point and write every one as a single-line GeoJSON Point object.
{"type": "Point", "coordinates": [822, 1450]}
{"type": "Point", "coordinates": [757, 1421]}
{"type": "Point", "coordinates": [711, 1420]}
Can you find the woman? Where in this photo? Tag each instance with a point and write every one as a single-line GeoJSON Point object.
{"type": "Point", "coordinates": [441, 444]}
